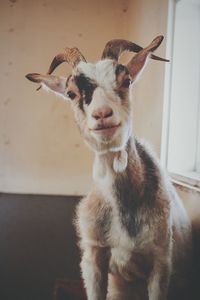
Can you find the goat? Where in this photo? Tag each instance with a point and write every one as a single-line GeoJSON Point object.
{"type": "Point", "coordinates": [135, 235]}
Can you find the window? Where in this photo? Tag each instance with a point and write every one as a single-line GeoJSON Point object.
{"type": "Point", "coordinates": [181, 130]}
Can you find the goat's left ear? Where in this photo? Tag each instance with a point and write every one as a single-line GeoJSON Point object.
{"type": "Point", "coordinates": [56, 84]}
{"type": "Point", "coordinates": [137, 63]}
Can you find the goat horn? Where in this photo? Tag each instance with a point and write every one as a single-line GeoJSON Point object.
{"type": "Point", "coordinates": [115, 48]}
{"type": "Point", "coordinates": [71, 55]}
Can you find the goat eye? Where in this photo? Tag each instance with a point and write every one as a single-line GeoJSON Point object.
{"type": "Point", "coordinates": [71, 95]}
{"type": "Point", "coordinates": [126, 83]}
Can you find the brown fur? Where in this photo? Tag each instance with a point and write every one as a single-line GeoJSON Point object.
{"type": "Point", "coordinates": [139, 203]}
{"type": "Point", "coordinates": [134, 233]}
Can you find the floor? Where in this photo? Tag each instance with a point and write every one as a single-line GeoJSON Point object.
{"type": "Point", "coordinates": [38, 245]}
{"type": "Point", "coordinates": [39, 257]}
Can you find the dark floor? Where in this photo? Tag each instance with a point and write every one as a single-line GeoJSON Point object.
{"type": "Point", "coordinates": [37, 245]}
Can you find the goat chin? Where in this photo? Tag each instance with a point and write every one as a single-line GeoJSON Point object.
{"type": "Point", "coordinates": [104, 146]}
{"type": "Point", "coordinates": [105, 143]}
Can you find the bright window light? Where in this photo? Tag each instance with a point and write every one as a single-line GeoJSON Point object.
{"type": "Point", "coordinates": [183, 122]}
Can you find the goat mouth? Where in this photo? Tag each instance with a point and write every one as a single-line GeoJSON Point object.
{"type": "Point", "coordinates": [106, 130]}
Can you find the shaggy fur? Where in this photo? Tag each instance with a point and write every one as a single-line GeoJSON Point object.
{"type": "Point", "coordinates": [134, 233]}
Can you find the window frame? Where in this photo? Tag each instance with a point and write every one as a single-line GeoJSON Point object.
{"type": "Point", "coordinates": [190, 179]}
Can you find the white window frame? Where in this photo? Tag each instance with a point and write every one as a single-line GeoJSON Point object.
{"type": "Point", "coordinates": [191, 178]}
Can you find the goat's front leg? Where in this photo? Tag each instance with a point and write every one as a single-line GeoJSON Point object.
{"type": "Point", "coordinates": [94, 265]}
{"type": "Point", "coordinates": [159, 281]}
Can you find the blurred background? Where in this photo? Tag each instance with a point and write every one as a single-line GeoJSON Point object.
{"type": "Point", "coordinates": [44, 165]}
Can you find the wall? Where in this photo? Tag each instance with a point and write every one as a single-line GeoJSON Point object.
{"type": "Point", "coordinates": [40, 147]}
{"type": "Point", "coordinates": [191, 200]}
{"type": "Point", "coordinates": [150, 19]}
{"type": "Point", "coordinates": [147, 20]}
{"type": "Point", "coordinates": [41, 150]}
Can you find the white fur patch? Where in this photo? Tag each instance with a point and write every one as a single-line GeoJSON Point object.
{"type": "Point", "coordinates": [57, 89]}
{"type": "Point", "coordinates": [103, 72]}
{"type": "Point", "coordinates": [99, 170]}
{"type": "Point", "coordinates": [88, 69]}
{"type": "Point", "coordinates": [120, 161]}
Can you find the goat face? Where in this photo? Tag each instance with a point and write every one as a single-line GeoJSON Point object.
{"type": "Point", "coordinates": [99, 93]}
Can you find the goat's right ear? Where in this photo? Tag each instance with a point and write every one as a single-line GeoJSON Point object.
{"type": "Point", "coordinates": [55, 84]}
{"type": "Point", "coordinates": [137, 63]}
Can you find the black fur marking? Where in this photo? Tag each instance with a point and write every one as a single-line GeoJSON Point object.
{"type": "Point", "coordinates": [123, 89]}
{"type": "Point", "coordinates": [129, 198]}
{"type": "Point", "coordinates": [86, 87]}
{"type": "Point", "coordinates": [129, 202]}
{"type": "Point", "coordinates": [122, 94]}
{"type": "Point", "coordinates": [81, 104]}
{"type": "Point", "coordinates": [151, 178]}
{"type": "Point", "coordinates": [126, 83]}
{"type": "Point", "coordinates": [120, 68]}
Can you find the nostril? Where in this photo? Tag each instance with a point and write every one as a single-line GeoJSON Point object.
{"type": "Point", "coordinates": [96, 117]}
{"type": "Point", "coordinates": [102, 113]}
{"type": "Point", "coordinates": [109, 114]}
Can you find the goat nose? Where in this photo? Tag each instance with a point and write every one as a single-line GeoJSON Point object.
{"type": "Point", "coordinates": [102, 113]}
